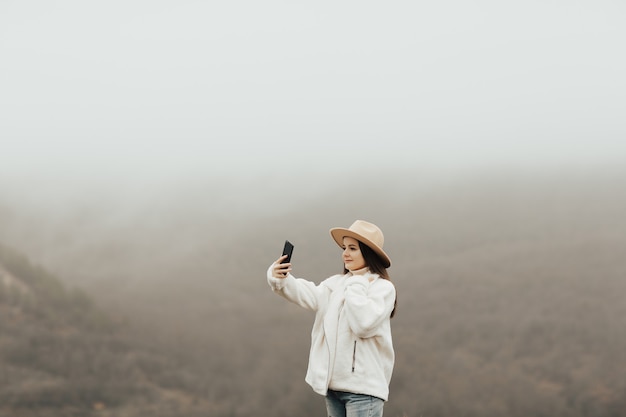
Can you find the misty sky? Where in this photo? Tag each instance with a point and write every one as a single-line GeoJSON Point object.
{"type": "Point", "coordinates": [151, 90]}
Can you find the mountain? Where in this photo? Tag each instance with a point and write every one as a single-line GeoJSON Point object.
{"type": "Point", "coordinates": [62, 356]}
{"type": "Point", "coordinates": [511, 294]}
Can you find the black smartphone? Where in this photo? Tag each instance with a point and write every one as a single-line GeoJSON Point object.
{"type": "Point", "coordinates": [287, 250]}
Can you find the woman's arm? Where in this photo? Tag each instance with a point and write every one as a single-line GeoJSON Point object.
{"type": "Point", "coordinates": [297, 290]}
{"type": "Point", "coordinates": [368, 304]}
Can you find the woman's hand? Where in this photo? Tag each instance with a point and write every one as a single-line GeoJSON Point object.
{"type": "Point", "coordinates": [281, 270]}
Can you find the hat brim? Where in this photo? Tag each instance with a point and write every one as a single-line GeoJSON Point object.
{"type": "Point", "coordinates": [338, 233]}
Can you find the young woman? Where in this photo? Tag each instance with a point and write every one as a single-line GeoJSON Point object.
{"type": "Point", "coordinates": [351, 358]}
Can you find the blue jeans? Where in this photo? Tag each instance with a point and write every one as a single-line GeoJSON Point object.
{"type": "Point", "coordinates": [347, 404]}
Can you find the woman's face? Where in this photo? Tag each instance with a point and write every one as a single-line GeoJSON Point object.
{"type": "Point", "coordinates": [352, 256]}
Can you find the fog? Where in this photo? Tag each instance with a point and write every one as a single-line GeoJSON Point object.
{"type": "Point", "coordinates": [154, 93]}
{"type": "Point", "coordinates": [157, 155]}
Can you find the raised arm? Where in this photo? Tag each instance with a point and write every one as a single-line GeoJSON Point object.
{"type": "Point", "coordinates": [297, 290]}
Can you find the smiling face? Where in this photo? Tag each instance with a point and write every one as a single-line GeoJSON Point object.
{"type": "Point", "coordinates": [352, 256]}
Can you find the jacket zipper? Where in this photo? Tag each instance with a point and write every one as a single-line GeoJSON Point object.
{"type": "Point", "coordinates": [354, 356]}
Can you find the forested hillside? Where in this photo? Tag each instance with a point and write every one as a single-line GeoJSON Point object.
{"type": "Point", "coordinates": [511, 292]}
{"type": "Point", "coordinates": [62, 356]}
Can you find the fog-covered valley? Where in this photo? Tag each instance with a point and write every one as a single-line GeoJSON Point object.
{"type": "Point", "coordinates": [511, 287]}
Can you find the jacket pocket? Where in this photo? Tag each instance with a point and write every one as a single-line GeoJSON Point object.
{"type": "Point", "coordinates": [354, 357]}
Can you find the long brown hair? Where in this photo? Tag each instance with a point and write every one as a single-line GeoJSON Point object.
{"type": "Point", "coordinates": [375, 265]}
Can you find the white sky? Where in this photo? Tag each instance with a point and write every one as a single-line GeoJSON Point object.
{"type": "Point", "coordinates": [145, 89]}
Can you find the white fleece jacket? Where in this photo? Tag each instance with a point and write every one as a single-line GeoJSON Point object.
{"type": "Point", "coordinates": [351, 345]}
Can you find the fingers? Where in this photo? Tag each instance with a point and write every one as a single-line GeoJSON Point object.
{"type": "Point", "coordinates": [280, 270]}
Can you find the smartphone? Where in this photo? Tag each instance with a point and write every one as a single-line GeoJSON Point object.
{"type": "Point", "coordinates": [287, 250]}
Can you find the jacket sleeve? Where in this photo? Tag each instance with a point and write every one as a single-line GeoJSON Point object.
{"type": "Point", "coordinates": [368, 304]}
{"type": "Point", "coordinates": [297, 290]}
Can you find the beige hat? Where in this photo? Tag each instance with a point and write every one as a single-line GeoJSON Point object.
{"type": "Point", "coordinates": [364, 232]}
